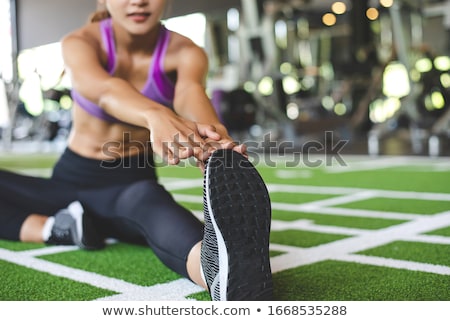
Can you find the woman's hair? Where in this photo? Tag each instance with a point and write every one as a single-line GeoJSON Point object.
{"type": "Point", "coordinates": [101, 12]}
{"type": "Point", "coordinates": [99, 16]}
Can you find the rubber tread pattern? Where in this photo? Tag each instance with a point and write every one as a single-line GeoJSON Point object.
{"type": "Point", "coordinates": [242, 211]}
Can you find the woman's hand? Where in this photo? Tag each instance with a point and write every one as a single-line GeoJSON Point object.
{"type": "Point", "coordinates": [219, 140]}
{"type": "Point", "coordinates": [174, 138]}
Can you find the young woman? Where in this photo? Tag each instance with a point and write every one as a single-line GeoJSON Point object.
{"type": "Point", "coordinates": [138, 89]}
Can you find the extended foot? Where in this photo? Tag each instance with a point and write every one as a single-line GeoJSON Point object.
{"type": "Point", "coordinates": [73, 227]}
{"type": "Point", "coordinates": [235, 249]}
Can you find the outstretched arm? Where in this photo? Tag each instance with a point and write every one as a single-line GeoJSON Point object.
{"type": "Point", "coordinates": [191, 101]}
{"type": "Point", "coordinates": [82, 54]}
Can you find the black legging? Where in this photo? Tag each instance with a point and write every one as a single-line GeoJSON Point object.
{"type": "Point", "coordinates": [123, 197]}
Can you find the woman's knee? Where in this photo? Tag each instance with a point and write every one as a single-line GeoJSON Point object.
{"type": "Point", "coordinates": [141, 195]}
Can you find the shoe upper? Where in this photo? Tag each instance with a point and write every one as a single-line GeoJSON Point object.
{"type": "Point", "coordinates": [75, 227]}
{"type": "Point", "coordinates": [64, 229]}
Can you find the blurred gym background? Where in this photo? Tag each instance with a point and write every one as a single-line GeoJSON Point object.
{"type": "Point", "coordinates": [373, 73]}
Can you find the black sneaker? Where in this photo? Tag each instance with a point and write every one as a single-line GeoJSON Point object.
{"type": "Point", "coordinates": [73, 227]}
{"type": "Point", "coordinates": [235, 249]}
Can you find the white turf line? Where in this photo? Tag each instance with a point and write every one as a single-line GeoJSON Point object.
{"type": "Point", "coordinates": [342, 250]}
{"type": "Point", "coordinates": [175, 290]}
{"type": "Point", "coordinates": [295, 257]}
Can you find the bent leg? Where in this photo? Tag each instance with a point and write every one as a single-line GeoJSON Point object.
{"type": "Point", "coordinates": [22, 195]}
{"type": "Point", "coordinates": [145, 209]}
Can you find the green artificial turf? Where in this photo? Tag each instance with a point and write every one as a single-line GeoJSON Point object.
{"type": "Point", "coordinates": [303, 238]}
{"type": "Point", "coordinates": [297, 198]}
{"type": "Point", "coordinates": [342, 221]}
{"type": "Point", "coordinates": [388, 179]}
{"type": "Point", "coordinates": [405, 206]}
{"type": "Point", "coordinates": [131, 263]}
{"type": "Point", "coordinates": [19, 246]}
{"type": "Point", "coordinates": [413, 251]}
{"type": "Point", "coordinates": [19, 283]}
{"type": "Point", "coordinates": [193, 191]}
{"type": "Point", "coordinates": [13, 162]}
{"type": "Point", "coordinates": [342, 281]}
{"type": "Point", "coordinates": [201, 296]}
{"type": "Point", "coordinates": [441, 232]}
{"type": "Point", "coordinates": [184, 169]}
{"type": "Point", "coordinates": [192, 206]}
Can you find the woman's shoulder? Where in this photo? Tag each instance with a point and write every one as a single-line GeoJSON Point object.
{"type": "Point", "coordinates": [179, 41]}
{"type": "Point", "coordinates": [90, 33]}
{"type": "Point", "coordinates": [183, 46]}
{"type": "Point", "coordinates": [87, 37]}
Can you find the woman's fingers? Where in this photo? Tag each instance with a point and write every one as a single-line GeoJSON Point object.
{"type": "Point", "coordinates": [208, 131]}
{"type": "Point", "coordinates": [242, 149]}
{"type": "Point", "coordinates": [184, 146]}
{"type": "Point", "coordinates": [182, 139]}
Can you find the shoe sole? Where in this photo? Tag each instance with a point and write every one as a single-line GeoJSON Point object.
{"type": "Point", "coordinates": [238, 206]}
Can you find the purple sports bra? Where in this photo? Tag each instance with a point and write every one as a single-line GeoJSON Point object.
{"type": "Point", "coordinates": [158, 86]}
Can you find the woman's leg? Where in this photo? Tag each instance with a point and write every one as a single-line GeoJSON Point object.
{"type": "Point", "coordinates": [32, 227]}
{"type": "Point", "coordinates": [146, 210]}
{"type": "Point", "coordinates": [193, 266]}
{"type": "Point", "coordinates": [26, 202]}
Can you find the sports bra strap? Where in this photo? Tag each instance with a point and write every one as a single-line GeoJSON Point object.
{"type": "Point", "coordinates": [158, 86]}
